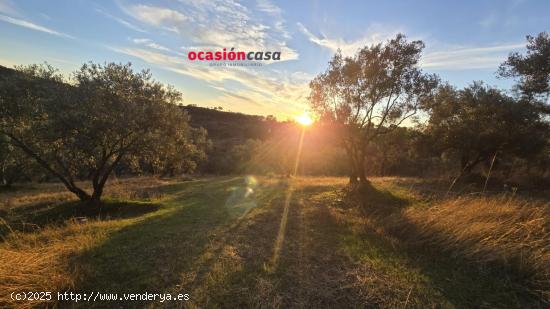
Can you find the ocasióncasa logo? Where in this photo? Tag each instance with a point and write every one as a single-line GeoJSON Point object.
{"type": "Point", "coordinates": [232, 55]}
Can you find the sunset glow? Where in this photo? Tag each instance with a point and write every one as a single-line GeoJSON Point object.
{"type": "Point", "coordinates": [304, 119]}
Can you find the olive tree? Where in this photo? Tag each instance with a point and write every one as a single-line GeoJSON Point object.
{"type": "Point", "coordinates": [370, 94]}
{"type": "Point", "coordinates": [477, 122]}
{"type": "Point", "coordinates": [83, 129]}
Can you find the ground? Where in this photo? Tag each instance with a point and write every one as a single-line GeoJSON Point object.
{"type": "Point", "coordinates": [237, 242]}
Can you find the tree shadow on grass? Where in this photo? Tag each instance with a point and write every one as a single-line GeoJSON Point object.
{"type": "Point", "coordinates": [35, 217]}
{"type": "Point", "coordinates": [372, 201]}
{"type": "Point", "coordinates": [313, 272]}
{"type": "Point", "coordinates": [249, 271]}
{"type": "Point", "coordinates": [207, 242]}
{"type": "Point", "coordinates": [463, 283]}
{"type": "Point", "coordinates": [162, 252]}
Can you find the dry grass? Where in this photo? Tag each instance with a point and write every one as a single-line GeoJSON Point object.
{"type": "Point", "coordinates": [506, 232]}
{"type": "Point", "coordinates": [53, 193]}
{"type": "Point", "coordinates": [331, 255]}
{"type": "Point", "coordinates": [43, 261]}
{"type": "Point", "coordinates": [514, 233]}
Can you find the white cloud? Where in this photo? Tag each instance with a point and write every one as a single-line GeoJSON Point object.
{"type": "Point", "coordinates": [141, 41]}
{"type": "Point", "coordinates": [276, 14]}
{"type": "Point", "coordinates": [463, 58]}
{"type": "Point", "coordinates": [149, 43]}
{"type": "Point", "coordinates": [217, 24]}
{"type": "Point", "coordinates": [157, 16]}
{"type": "Point", "coordinates": [149, 56]}
{"type": "Point", "coordinates": [279, 92]}
{"type": "Point", "coordinates": [449, 58]}
{"type": "Point", "coordinates": [220, 23]}
{"type": "Point", "coordinates": [30, 25]}
{"type": "Point", "coordinates": [374, 34]}
{"type": "Point", "coordinates": [46, 16]}
{"type": "Point", "coordinates": [120, 21]}
{"type": "Point", "coordinates": [268, 7]}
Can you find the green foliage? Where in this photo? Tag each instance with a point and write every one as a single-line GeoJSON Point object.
{"type": "Point", "coordinates": [396, 153]}
{"type": "Point", "coordinates": [371, 94]}
{"type": "Point", "coordinates": [532, 69]}
{"type": "Point", "coordinates": [320, 153]}
{"type": "Point", "coordinates": [107, 113]}
{"type": "Point", "coordinates": [479, 121]}
{"type": "Point", "coordinates": [14, 165]}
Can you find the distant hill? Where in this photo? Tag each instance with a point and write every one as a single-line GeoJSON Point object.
{"type": "Point", "coordinates": [230, 125]}
{"type": "Point", "coordinates": [226, 130]}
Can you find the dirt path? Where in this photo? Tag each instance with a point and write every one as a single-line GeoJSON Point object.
{"type": "Point", "coordinates": [315, 270]}
{"type": "Point", "coordinates": [285, 254]}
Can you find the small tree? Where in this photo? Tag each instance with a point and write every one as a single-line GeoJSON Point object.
{"type": "Point", "coordinates": [83, 130]}
{"type": "Point", "coordinates": [371, 94]}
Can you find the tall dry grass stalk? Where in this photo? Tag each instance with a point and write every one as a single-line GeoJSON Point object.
{"type": "Point", "coordinates": [514, 233]}
{"type": "Point", "coordinates": [40, 262]}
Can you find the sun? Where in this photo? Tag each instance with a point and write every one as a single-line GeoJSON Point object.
{"type": "Point", "coordinates": [304, 119]}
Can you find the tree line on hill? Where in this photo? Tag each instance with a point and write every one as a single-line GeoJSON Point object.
{"type": "Point", "coordinates": [378, 114]}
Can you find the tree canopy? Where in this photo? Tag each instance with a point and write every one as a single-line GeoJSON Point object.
{"type": "Point", "coordinates": [532, 69]}
{"type": "Point", "coordinates": [83, 129]}
{"type": "Point", "coordinates": [371, 93]}
{"type": "Point", "coordinates": [478, 121]}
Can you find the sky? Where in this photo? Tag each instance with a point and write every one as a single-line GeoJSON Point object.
{"type": "Point", "coordinates": [465, 41]}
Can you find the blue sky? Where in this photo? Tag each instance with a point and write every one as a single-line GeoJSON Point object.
{"type": "Point", "coordinates": [465, 40]}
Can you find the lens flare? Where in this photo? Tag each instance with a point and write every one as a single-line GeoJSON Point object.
{"type": "Point", "coordinates": [304, 119]}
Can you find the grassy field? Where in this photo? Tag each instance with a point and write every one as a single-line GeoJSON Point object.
{"type": "Point", "coordinates": [268, 242]}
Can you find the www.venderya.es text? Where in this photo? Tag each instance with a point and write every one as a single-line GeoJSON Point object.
{"type": "Point", "coordinates": [97, 296]}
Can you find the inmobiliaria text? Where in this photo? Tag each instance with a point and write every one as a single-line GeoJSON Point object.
{"type": "Point", "coordinates": [233, 55]}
